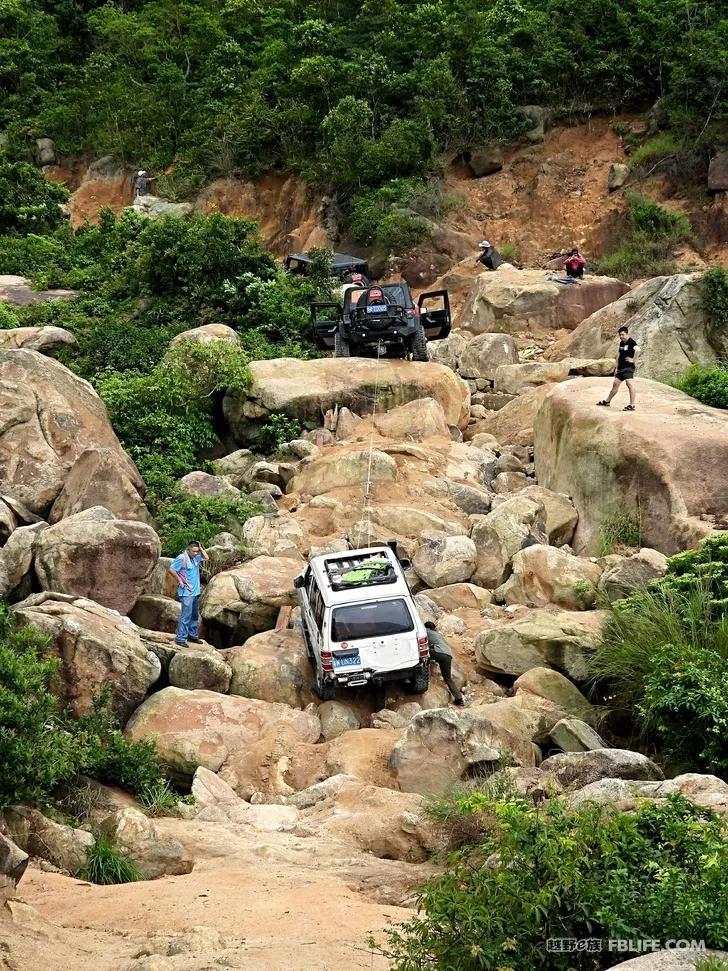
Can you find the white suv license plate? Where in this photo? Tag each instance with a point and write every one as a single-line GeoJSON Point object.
{"type": "Point", "coordinates": [377, 308]}
{"type": "Point", "coordinates": [347, 662]}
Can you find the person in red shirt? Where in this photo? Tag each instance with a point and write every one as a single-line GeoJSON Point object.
{"type": "Point", "coordinates": [574, 265]}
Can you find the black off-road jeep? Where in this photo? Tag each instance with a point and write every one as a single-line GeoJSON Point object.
{"type": "Point", "coordinates": [378, 321]}
{"type": "Point", "coordinates": [342, 265]}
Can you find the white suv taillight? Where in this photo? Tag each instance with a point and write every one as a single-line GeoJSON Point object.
{"type": "Point", "coordinates": [327, 660]}
{"type": "Point", "coordinates": [423, 646]}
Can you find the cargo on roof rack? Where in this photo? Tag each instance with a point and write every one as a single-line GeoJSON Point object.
{"type": "Point", "coordinates": [362, 570]}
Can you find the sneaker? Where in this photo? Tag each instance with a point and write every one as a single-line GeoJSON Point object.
{"type": "Point", "coordinates": [180, 643]}
{"type": "Point", "coordinates": [194, 640]}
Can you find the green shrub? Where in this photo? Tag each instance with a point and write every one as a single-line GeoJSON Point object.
{"type": "Point", "coordinates": [106, 865]}
{"type": "Point", "coordinates": [619, 529]}
{"type": "Point", "coordinates": [182, 518]}
{"type": "Point", "coordinates": [706, 384]}
{"type": "Point", "coordinates": [28, 202]}
{"type": "Point", "coordinates": [705, 568]}
{"type": "Point", "coordinates": [8, 318]}
{"type": "Point", "coordinates": [510, 252]}
{"type": "Point", "coordinates": [36, 750]}
{"type": "Point", "coordinates": [160, 799]}
{"type": "Point", "coordinates": [646, 249]}
{"type": "Point", "coordinates": [654, 150]}
{"type": "Point", "coordinates": [552, 873]}
{"type": "Point", "coordinates": [277, 430]}
{"type": "Point", "coordinates": [711, 964]}
{"type": "Point", "coordinates": [398, 215]}
{"type": "Point", "coordinates": [715, 297]}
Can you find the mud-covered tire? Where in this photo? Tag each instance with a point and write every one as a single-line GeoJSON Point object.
{"type": "Point", "coordinates": [326, 690]}
{"type": "Point", "coordinates": [419, 345]}
{"type": "Point", "coordinates": [420, 682]}
{"type": "Point", "coordinates": [341, 346]}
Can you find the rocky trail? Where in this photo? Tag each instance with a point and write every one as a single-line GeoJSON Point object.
{"type": "Point", "coordinates": [493, 470]}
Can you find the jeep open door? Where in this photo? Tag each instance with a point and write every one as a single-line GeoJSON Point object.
{"type": "Point", "coordinates": [325, 319]}
{"type": "Point", "coordinates": [435, 314]}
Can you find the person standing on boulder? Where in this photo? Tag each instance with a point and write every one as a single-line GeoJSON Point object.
{"type": "Point", "coordinates": [186, 569]}
{"type": "Point", "coordinates": [626, 358]}
{"type": "Point", "coordinates": [441, 654]}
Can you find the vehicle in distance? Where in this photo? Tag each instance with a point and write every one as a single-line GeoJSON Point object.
{"type": "Point", "coordinates": [341, 265]}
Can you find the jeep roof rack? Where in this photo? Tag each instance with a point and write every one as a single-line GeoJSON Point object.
{"type": "Point", "coordinates": [364, 570]}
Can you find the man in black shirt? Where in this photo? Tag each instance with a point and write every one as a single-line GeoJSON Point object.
{"type": "Point", "coordinates": [489, 257]}
{"type": "Point", "coordinates": [626, 356]}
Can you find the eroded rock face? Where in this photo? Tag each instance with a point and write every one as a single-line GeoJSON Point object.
{"type": "Point", "coordinates": [245, 600]}
{"type": "Point", "coordinates": [578, 769]}
{"type": "Point", "coordinates": [561, 639]}
{"type": "Point", "coordinates": [442, 560]}
{"type": "Point", "coordinates": [306, 389]}
{"type": "Point", "coordinates": [510, 527]}
{"type": "Point", "coordinates": [45, 340]}
{"type": "Point", "coordinates": [50, 418]}
{"type": "Point", "coordinates": [554, 687]}
{"type": "Point", "coordinates": [632, 573]}
{"type": "Point", "coordinates": [440, 745]}
{"type": "Point", "coordinates": [341, 470]}
{"type": "Point", "coordinates": [97, 649]}
{"type": "Point", "coordinates": [484, 354]}
{"type": "Point", "coordinates": [194, 728]}
{"type": "Point", "coordinates": [105, 559]}
{"type": "Point", "coordinates": [667, 459]}
{"type": "Point", "coordinates": [665, 316]}
{"type": "Point", "coordinates": [543, 575]}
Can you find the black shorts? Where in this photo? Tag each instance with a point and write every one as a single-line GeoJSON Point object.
{"type": "Point", "coordinates": [624, 374]}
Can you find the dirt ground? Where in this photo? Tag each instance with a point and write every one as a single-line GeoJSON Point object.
{"type": "Point", "coordinates": [263, 902]}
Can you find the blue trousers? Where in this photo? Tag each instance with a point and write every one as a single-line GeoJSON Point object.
{"type": "Point", "coordinates": [188, 618]}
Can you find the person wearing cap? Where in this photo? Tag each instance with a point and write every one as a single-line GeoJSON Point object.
{"type": "Point", "coordinates": [489, 257]}
{"type": "Point", "coordinates": [186, 570]}
{"type": "Point", "coordinates": [141, 183]}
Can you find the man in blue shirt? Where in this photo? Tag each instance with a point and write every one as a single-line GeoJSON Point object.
{"type": "Point", "coordinates": [186, 569]}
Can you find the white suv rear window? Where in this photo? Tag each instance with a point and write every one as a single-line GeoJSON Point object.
{"type": "Point", "coordinates": [380, 619]}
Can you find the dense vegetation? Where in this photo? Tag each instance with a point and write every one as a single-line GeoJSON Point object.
{"type": "Point", "coordinates": [533, 874]}
{"type": "Point", "coordinates": [351, 94]}
{"type": "Point", "coordinates": [650, 235]}
{"type": "Point", "coordinates": [664, 659]}
{"type": "Point", "coordinates": [41, 748]}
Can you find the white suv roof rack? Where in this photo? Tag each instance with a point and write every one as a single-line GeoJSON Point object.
{"type": "Point", "coordinates": [361, 568]}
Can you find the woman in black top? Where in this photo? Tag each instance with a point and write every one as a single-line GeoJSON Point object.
{"type": "Point", "coordinates": [626, 357]}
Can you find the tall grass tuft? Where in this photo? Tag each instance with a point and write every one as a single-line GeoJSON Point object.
{"type": "Point", "coordinates": [106, 865]}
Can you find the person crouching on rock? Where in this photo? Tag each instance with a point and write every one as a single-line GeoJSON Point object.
{"type": "Point", "coordinates": [186, 569]}
{"type": "Point", "coordinates": [574, 265]}
{"type": "Point", "coordinates": [441, 654]}
{"type": "Point", "coordinates": [626, 357]}
{"type": "Point", "coordinates": [489, 257]}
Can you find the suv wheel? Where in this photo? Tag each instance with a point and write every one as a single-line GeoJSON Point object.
{"type": "Point", "coordinates": [421, 681]}
{"type": "Point", "coordinates": [326, 690]}
{"type": "Point", "coordinates": [341, 346]}
{"type": "Point", "coordinates": [419, 345]}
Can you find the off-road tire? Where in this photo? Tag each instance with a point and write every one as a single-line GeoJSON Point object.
{"type": "Point", "coordinates": [341, 346]}
{"type": "Point", "coordinates": [326, 690]}
{"type": "Point", "coordinates": [420, 682]}
{"type": "Point", "coordinates": [419, 344]}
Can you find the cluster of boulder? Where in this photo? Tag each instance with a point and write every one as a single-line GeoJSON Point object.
{"type": "Point", "coordinates": [498, 510]}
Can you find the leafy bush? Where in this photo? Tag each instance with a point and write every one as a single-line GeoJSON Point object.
{"type": "Point", "coordinates": [160, 799]}
{"type": "Point", "coordinates": [706, 384]}
{"type": "Point", "coordinates": [715, 297]}
{"type": "Point", "coordinates": [619, 529]}
{"type": "Point", "coordinates": [551, 873]}
{"type": "Point", "coordinates": [36, 750]}
{"type": "Point", "coordinates": [387, 217]}
{"type": "Point", "coordinates": [28, 202]}
{"type": "Point", "coordinates": [277, 430]}
{"type": "Point", "coordinates": [654, 150]}
{"type": "Point", "coordinates": [646, 249]}
{"type": "Point", "coordinates": [182, 518]}
{"type": "Point", "coordinates": [106, 865]}
{"type": "Point", "coordinates": [8, 318]}
{"type": "Point", "coordinates": [706, 568]}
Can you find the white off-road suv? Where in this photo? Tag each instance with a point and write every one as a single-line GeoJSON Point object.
{"type": "Point", "coordinates": [360, 622]}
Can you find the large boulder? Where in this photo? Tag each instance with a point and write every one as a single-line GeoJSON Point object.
{"type": "Point", "coordinates": [560, 639]}
{"type": "Point", "coordinates": [513, 300]}
{"type": "Point", "coordinates": [50, 418]}
{"type": "Point", "coordinates": [559, 690]}
{"type": "Point", "coordinates": [578, 769]}
{"type": "Point", "coordinates": [513, 423]}
{"type": "Point", "coordinates": [718, 173]}
{"type": "Point", "coordinates": [307, 389]}
{"type": "Point", "coordinates": [665, 462]}
{"type": "Point", "coordinates": [194, 728]}
{"type": "Point", "coordinates": [440, 745]}
{"type": "Point", "coordinates": [667, 318]}
{"type": "Point", "coordinates": [153, 853]}
{"type": "Point", "coordinates": [194, 670]}
{"type": "Point", "coordinates": [245, 600]}
{"type": "Point", "coordinates": [519, 378]}
{"type": "Point", "coordinates": [272, 666]}
{"type": "Point", "coordinates": [97, 649]}
{"type": "Point", "coordinates": [484, 354]}
{"type": "Point", "coordinates": [45, 340]}
{"type": "Point", "coordinates": [207, 334]}
{"type": "Point", "coordinates": [58, 843]}
{"type": "Point", "coordinates": [632, 573]}
{"type": "Point", "coordinates": [342, 469]}
{"type": "Point", "coordinates": [687, 959]}
{"type": "Point", "coordinates": [441, 560]}
{"type": "Point", "coordinates": [16, 559]}
{"type": "Point", "coordinates": [417, 420]}
{"type": "Point", "coordinates": [13, 864]}
{"type": "Point", "coordinates": [510, 527]}
{"type": "Point", "coordinates": [561, 516]}
{"type": "Point", "coordinates": [543, 575]}
{"type": "Point", "coordinates": [279, 535]}
{"type": "Point", "coordinates": [105, 559]}
{"type": "Point", "coordinates": [94, 480]}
